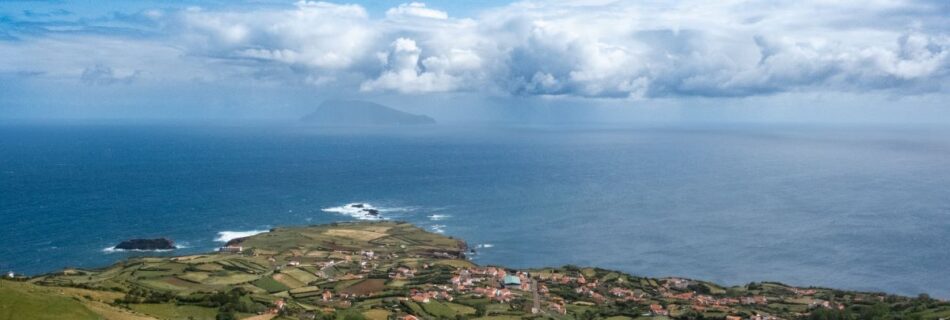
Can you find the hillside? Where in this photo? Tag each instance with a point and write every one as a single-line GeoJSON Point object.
{"type": "Point", "coordinates": [384, 270]}
{"type": "Point", "coordinates": [362, 113]}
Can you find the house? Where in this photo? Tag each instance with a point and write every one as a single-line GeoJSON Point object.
{"type": "Point", "coordinates": [368, 254]}
{"type": "Point", "coordinates": [558, 308]}
{"type": "Point", "coordinates": [678, 283]}
{"type": "Point", "coordinates": [658, 310]}
{"type": "Point", "coordinates": [621, 292]}
{"type": "Point", "coordinates": [511, 281]}
{"type": "Point", "coordinates": [11, 275]}
{"type": "Point", "coordinates": [420, 297]}
{"type": "Point", "coordinates": [327, 295]}
{"type": "Point", "coordinates": [754, 300]}
{"type": "Point", "coordinates": [683, 296]}
{"type": "Point", "coordinates": [231, 249]}
{"type": "Point", "coordinates": [293, 263]}
{"type": "Point", "coordinates": [598, 298]}
{"type": "Point", "coordinates": [409, 317]}
{"type": "Point", "coordinates": [402, 273]}
{"type": "Point", "coordinates": [503, 295]}
{"type": "Point", "coordinates": [279, 304]}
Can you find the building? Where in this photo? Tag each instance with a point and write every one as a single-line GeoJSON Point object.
{"type": "Point", "coordinates": [511, 281]}
{"type": "Point", "coordinates": [658, 310]}
{"type": "Point", "coordinates": [231, 249]}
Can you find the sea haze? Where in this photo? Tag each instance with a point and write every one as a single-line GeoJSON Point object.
{"type": "Point", "coordinates": [857, 208]}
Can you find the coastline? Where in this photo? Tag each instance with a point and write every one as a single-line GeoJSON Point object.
{"type": "Point", "coordinates": [356, 263]}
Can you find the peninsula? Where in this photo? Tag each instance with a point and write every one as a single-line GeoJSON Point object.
{"type": "Point", "coordinates": [393, 270]}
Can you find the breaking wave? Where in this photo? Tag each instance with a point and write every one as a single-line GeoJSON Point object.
{"type": "Point", "coordinates": [225, 236]}
{"type": "Point", "coordinates": [114, 250]}
{"type": "Point", "coordinates": [439, 217]}
{"type": "Point", "coordinates": [437, 228]}
{"type": "Point", "coordinates": [364, 211]}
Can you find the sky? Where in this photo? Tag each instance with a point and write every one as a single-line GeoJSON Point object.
{"type": "Point", "coordinates": [531, 61]}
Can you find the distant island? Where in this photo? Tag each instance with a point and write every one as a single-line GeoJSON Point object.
{"type": "Point", "coordinates": [356, 113]}
{"type": "Point", "coordinates": [394, 270]}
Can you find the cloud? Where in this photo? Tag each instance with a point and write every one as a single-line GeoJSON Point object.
{"type": "Point", "coordinates": [313, 34]}
{"type": "Point", "coordinates": [416, 10]}
{"type": "Point", "coordinates": [103, 75]}
{"type": "Point", "coordinates": [577, 49]}
{"type": "Point", "coordinates": [698, 49]}
{"type": "Point", "coordinates": [406, 73]}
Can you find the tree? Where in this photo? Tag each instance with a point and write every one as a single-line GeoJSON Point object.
{"type": "Point", "coordinates": [349, 315]}
{"type": "Point", "coordinates": [226, 315]}
{"type": "Point", "coordinates": [830, 314]}
{"type": "Point", "coordinates": [879, 311]}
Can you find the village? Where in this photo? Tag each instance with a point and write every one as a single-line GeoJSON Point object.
{"type": "Point", "coordinates": [653, 298]}
{"type": "Point", "coordinates": [388, 270]}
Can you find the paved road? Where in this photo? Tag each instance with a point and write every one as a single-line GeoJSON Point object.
{"type": "Point", "coordinates": [534, 292]}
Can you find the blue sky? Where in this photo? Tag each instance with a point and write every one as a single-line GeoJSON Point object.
{"type": "Point", "coordinates": [879, 60]}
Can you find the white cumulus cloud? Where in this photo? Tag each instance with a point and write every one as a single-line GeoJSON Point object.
{"type": "Point", "coordinates": [580, 49]}
{"type": "Point", "coordinates": [405, 71]}
{"type": "Point", "coordinates": [415, 9]}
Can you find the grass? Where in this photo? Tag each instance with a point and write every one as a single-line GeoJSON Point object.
{"type": "Point", "coordinates": [22, 301]}
{"type": "Point", "coordinates": [195, 277]}
{"type": "Point", "coordinates": [342, 285]}
{"type": "Point", "coordinates": [112, 313]}
{"type": "Point", "coordinates": [270, 285]}
{"type": "Point", "coordinates": [456, 263]}
{"type": "Point", "coordinates": [361, 235]}
{"type": "Point", "coordinates": [446, 309]}
{"type": "Point", "coordinates": [234, 278]}
{"type": "Point", "coordinates": [376, 314]}
{"type": "Point", "coordinates": [301, 275]}
{"type": "Point", "coordinates": [366, 287]}
{"type": "Point", "coordinates": [415, 308]}
{"type": "Point", "coordinates": [397, 283]}
{"type": "Point", "coordinates": [497, 308]}
{"type": "Point", "coordinates": [161, 285]}
{"type": "Point", "coordinates": [171, 311]}
{"type": "Point", "coordinates": [288, 281]}
{"type": "Point", "coordinates": [940, 313]}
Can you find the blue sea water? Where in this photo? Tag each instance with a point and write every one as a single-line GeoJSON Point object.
{"type": "Point", "coordinates": [852, 207]}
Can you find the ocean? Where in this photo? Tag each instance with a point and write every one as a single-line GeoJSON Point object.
{"type": "Point", "coordinates": [865, 208]}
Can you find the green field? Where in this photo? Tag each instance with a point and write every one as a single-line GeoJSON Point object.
{"type": "Point", "coordinates": [19, 301]}
{"type": "Point", "coordinates": [171, 311]}
{"type": "Point", "coordinates": [446, 309]}
{"type": "Point", "coordinates": [335, 258]}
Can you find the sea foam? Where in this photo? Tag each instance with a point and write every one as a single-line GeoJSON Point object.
{"type": "Point", "coordinates": [225, 236]}
{"type": "Point", "coordinates": [363, 211]}
{"type": "Point", "coordinates": [439, 217]}
{"type": "Point", "coordinates": [114, 250]}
